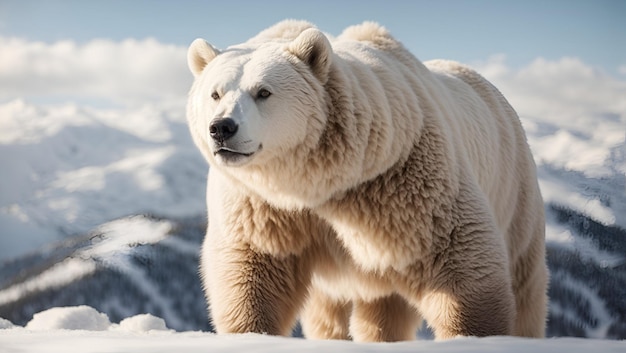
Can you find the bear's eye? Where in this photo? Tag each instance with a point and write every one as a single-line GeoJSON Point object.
{"type": "Point", "coordinates": [215, 96]}
{"type": "Point", "coordinates": [263, 93]}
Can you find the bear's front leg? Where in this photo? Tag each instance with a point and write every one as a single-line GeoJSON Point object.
{"type": "Point", "coordinates": [254, 262]}
{"type": "Point", "coordinates": [253, 292]}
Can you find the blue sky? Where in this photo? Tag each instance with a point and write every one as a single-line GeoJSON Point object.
{"type": "Point", "coordinates": [468, 31]}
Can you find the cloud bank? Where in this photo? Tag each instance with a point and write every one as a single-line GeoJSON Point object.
{"type": "Point", "coordinates": [136, 71]}
{"type": "Point", "coordinates": [126, 72]}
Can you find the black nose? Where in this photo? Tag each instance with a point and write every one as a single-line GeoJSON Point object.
{"type": "Point", "coordinates": [223, 129]}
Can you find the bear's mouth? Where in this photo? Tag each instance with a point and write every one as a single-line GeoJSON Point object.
{"type": "Point", "coordinates": [226, 152]}
{"type": "Point", "coordinates": [232, 156]}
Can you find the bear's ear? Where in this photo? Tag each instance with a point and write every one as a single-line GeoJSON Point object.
{"type": "Point", "coordinates": [200, 53]}
{"type": "Point", "coordinates": [313, 48]}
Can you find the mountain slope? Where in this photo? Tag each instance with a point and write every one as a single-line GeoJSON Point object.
{"type": "Point", "coordinates": [126, 267]}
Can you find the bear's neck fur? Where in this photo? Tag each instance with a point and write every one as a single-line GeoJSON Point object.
{"type": "Point", "coordinates": [359, 142]}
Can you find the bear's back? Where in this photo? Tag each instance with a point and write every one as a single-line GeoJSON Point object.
{"type": "Point", "coordinates": [494, 142]}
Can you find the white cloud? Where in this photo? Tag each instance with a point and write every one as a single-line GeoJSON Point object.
{"type": "Point", "coordinates": [129, 71]}
{"type": "Point", "coordinates": [564, 90]}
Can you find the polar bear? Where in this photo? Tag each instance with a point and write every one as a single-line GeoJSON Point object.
{"type": "Point", "coordinates": [360, 191]}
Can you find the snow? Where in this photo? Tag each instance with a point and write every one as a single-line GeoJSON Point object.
{"type": "Point", "coordinates": [5, 324]}
{"type": "Point", "coordinates": [83, 329]}
{"type": "Point", "coordinates": [143, 323]}
{"type": "Point", "coordinates": [118, 236]}
{"type": "Point", "coordinates": [70, 318]}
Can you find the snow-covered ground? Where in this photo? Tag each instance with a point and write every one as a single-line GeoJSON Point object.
{"type": "Point", "coordinates": [83, 329]}
{"type": "Point", "coordinates": [72, 161]}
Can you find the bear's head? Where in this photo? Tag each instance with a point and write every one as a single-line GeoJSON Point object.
{"type": "Point", "coordinates": [285, 116]}
{"type": "Point", "coordinates": [258, 101]}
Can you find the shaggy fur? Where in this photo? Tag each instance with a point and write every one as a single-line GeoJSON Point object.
{"type": "Point", "coordinates": [362, 191]}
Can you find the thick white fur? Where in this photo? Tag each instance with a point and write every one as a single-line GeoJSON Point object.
{"type": "Point", "coordinates": [370, 191]}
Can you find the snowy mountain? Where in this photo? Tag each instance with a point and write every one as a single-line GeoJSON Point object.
{"type": "Point", "coordinates": [588, 281]}
{"type": "Point", "coordinates": [130, 266]}
{"type": "Point", "coordinates": [68, 168]}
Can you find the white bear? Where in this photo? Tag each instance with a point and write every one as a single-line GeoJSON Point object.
{"type": "Point", "coordinates": [361, 191]}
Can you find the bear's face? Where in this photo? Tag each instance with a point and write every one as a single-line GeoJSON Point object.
{"type": "Point", "coordinates": [252, 103]}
